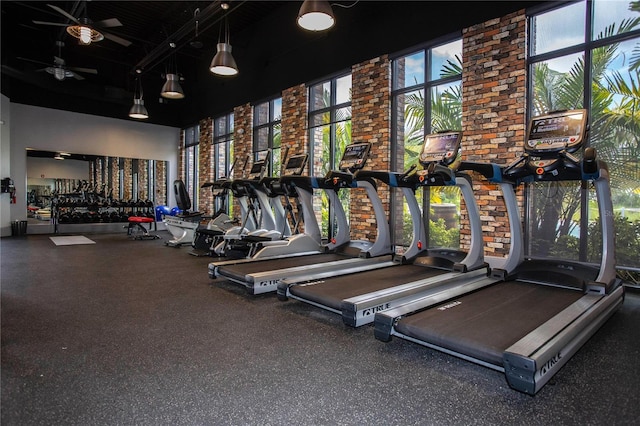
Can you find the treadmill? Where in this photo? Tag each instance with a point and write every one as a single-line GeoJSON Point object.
{"type": "Point", "coordinates": [262, 275]}
{"type": "Point", "coordinates": [358, 293]}
{"type": "Point", "coordinates": [530, 323]}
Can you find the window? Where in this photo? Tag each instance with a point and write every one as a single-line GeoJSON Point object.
{"type": "Point", "coordinates": [426, 98]}
{"type": "Point", "coordinates": [190, 161]}
{"type": "Point", "coordinates": [329, 133]}
{"type": "Point", "coordinates": [590, 45]}
{"type": "Point", "coordinates": [221, 155]}
{"type": "Point", "coordinates": [267, 133]}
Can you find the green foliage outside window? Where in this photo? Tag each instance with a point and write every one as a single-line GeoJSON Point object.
{"type": "Point", "coordinates": [614, 132]}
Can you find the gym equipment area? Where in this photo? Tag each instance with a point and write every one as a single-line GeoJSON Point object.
{"type": "Point", "coordinates": [411, 218]}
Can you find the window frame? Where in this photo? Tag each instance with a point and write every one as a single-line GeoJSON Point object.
{"type": "Point", "coordinates": [271, 124]}
{"type": "Point", "coordinates": [426, 87]}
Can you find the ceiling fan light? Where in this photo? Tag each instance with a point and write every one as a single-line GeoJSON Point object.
{"type": "Point", "coordinates": [58, 156]}
{"type": "Point", "coordinates": [223, 62]}
{"type": "Point", "coordinates": [85, 34]}
{"type": "Point", "coordinates": [315, 15]}
{"type": "Point", "coordinates": [138, 110]}
{"type": "Point", "coordinates": [59, 73]}
{"type": "Point", "coordinates": [172, 88]}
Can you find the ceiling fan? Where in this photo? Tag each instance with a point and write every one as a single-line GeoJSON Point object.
{"type": "Point", "coordinates": [59, 70]}
{"type": "Point", "coordinates": [84, 29]}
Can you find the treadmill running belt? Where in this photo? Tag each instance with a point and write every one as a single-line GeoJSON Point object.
{"type": "Point", "coordinates": [239, 270]}
{"type": "Point", "coordinates": [485, 323]}
{"type": "Point", "coordinates": [334, 290]}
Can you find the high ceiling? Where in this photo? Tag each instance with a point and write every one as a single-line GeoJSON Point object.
{"type": "Point", "coordinates": [272, 53]}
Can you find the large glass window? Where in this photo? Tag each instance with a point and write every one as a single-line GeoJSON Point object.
{"type": "Point", "coordinates": [329, 134]}
{"type": "Point", "coordinates": [427, 98]}
{"type": "Point", "coordinates": [221, 155]}
{"type": "Point", "coordinates": [267, 133]}
{"type": "Point", "coordinates": [190, 161]}
{"type": "Point", "coordinates": [586, 55]}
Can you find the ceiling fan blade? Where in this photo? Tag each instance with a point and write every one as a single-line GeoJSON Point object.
{"type": "Point", "coordinates": [84, 70]}
{"type": "Point", "coordinates": [50, 23]}
{"type": "Point", "coordinates": [108, 23]}
{"type": "Point", "coordinates": [33, 60]}
{"type": "Point", "coordinates": [57, 9]}
{"type": "Point", "coordinates": [115, 38]}
{"type": "Point", "coordinates": [76, 76]}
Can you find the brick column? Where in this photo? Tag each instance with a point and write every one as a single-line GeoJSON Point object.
{"type": "Point", "coordinates": [370, 107]}
{"type": "Point", "coordinates": [294, 120]}
{"type": "Point", "coordinates": [242, 141]}
{"type": "Point", "coordinates": [128, 180]}
{"type": "Point", "coordinates": [493, 114]}
{"type": "Point", "coordinates": [205, 166]}
{"type": "Point", "coordinates": [143, 179]}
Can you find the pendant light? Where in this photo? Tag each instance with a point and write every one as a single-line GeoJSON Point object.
{"type": "Point", "coordinates": [138, 110]}
{"type": "Point", "coordinates": [172, 88]}
{"type": "Point", "coordinates": [223, 62]}
{"type": "Point", "coordinates": [315, 15]}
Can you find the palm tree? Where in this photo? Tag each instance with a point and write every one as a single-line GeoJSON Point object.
{"type": "Point", "coordinates": [614, 132]}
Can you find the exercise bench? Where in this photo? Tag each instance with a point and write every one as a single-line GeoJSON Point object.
{"type": "Point", "coordinates": [137, 230]}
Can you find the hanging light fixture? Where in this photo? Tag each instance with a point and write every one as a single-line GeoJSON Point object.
{"type": "Point", "coordinates": [223, 62]}
{"type": "Point", "coordinates": [316, 15]}
{"type": "Point", "coordinates": [84, 32]}
{"type": "Point", "coordinates": [138, 110]}
{"type": "Point", "coordinates": [172, 88]}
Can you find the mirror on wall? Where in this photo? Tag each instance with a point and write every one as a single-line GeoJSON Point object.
{"type": "Point", "coordinates": [101, 178]}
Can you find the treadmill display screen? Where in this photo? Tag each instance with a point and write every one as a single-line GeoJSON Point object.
{"type": "Point", "coordinates": [256, 169]}
{"type": "Point", "coordinates": [295, 164]}
{"type": "Point", "coordinates": [441, 147]}
{"type": "Point", "coordinates": [354, 156]}
{"type": "Point", "coordinates": [556, 132]}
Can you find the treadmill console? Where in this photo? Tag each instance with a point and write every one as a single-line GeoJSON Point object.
{"type": "Point", "coordinates": [555, 132]}
{"type": "Point", "coordinates": [355, 156]}
{"type": "Point", "coordinates": [256, 170]}
{"type": "Point", "coordinates": [441, 148]}
{"type": "Point", "coordinates": [295, 165]}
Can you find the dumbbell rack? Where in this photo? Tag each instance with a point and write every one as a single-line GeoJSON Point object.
{"type": "Point", "coordinates": [75, 214]}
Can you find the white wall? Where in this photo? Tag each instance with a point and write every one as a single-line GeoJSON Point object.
{"type": "Point", "coordinates": [5, 164]}
{"type": "Point", "coordinates": [55, 130]}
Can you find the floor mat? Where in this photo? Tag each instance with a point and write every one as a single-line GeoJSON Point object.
{"type": "Point", "coordinates": [71, 240]}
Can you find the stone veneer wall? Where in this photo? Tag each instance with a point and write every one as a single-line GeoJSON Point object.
{"type": "Point", "coordinates": [206, 164]}
{"type": "Point", "coordinates": [370, 109]}
{"type": "Point", "coordinates": [294, 120]}
{"type": "Point", "coordinates": [242, 142]}
{"type": "Point", "coordinates": [493, 114]}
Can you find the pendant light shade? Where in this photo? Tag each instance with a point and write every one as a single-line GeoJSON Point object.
{"type": "Point", "coordinates": [316, 15]}
{"type": "Point", "coordinates": [138, 110]}
{"type": "Point", "coordinates": [172, 88]}
{"type": "Point", "coordinates": [223, 62]}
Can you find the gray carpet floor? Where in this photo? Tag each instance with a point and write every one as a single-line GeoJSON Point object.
{"type": "Point", "coordinates": [126, 332]}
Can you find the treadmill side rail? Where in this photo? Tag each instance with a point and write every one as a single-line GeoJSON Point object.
{"type": "Point", "coordinates": [389, 317]}
{"type": "Point", "coordinates": [361, 310]}
{"type": "Point", "coordinates": [531, 362]}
